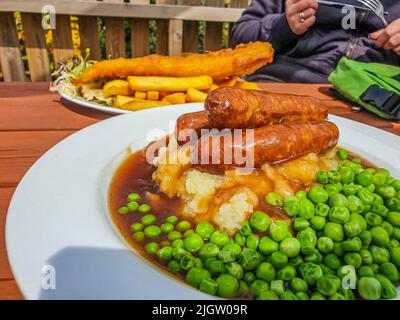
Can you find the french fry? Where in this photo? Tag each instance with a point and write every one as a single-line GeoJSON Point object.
{"type": "Point", "coordinates": [138, 104]}
{"type": "Point", "coordinates": [212, 88]}
{"type": "Point", "coordinates": [116, 87]}
{"type": "Point", "coordinates": [176, 98]}
{"type": "Point", "coordinates": [140, 95]}
{"type": "Point", "coordinates": [153, 95]}
{"type": "Point", "coordinates": [142, 83]}
{"type": "Point", "coordinates": [194, 95]}
{"type": "Point", "coordinates": [119, 100]}
{"type": "Point", "coordinates": [247, 85]}
{"type": "Point", "coordinates": [229, 83]}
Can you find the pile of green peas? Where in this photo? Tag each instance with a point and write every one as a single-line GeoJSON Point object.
{"type": "Point", "coordinates": [347, 226]}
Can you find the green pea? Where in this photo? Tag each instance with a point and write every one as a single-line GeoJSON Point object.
{"type": "Point", "coordinates": [291, 208]}
{"type": "Point", "coordinates": [352, 244]}
{"type": "Point", "coordinates": [243, 289]}
{"type": "Point", "coordinates": [245, 228]}
{"type": "Point", "coordinates": [277, 286]}
{"type": "Point", "coordinates": [364, 178]}
{"type": "Point", "coordinates": [196, 275]}
{"type": "Point", "coordinates": [317, 296]}
{"type": "Point", "coordinates": [252, 241]}
{"type": "Point", "coordinates": [380, 209]}
{"type": "Point", "coordinates": [328, 284]}
{"type": "Point", "coordinates": [123, 210]}
{"type": "Point", "coordinates": [136, 227]}
{"type": "Point", "coordinates": [306, 209]}
{"type": "Point", "coordinates": [148, 219]}
{"type": "Point", "coordinates": [301, 195]}
{"type": "Point", "coordinates": [132, 206]}
{"type": "Point", "coordinates": [278, 230]}
{"type": "Point", "coordinates": [379, 236]}
{"type": "Point", "coordinates": [290, 246]}
{"type": "Point", "coordinates": [133, 197]}
{"type": "Point", "coordinates": [380, 255]}
{"type": "Point", "coordinates": [353, 258]}
{"type": "Point", "coordinates": [299, 285]}
{"type": "Point", "coordinates": [366, 257]}
{"type": "Point", "coordinates": [322, 177]}
{"type": "Point", "coordinates": [395, 256]}
{"type": "Point", "coordinates": [138, 236]}
{"type": "Point", "coordinates": [143, 208]}
{"type": "Point", "coordinates": [205, 229]}
{"type": "Point", "coordinates": [396, 233]}
{"type": "Point", "coordinates": [318, 194]}
{"type": "Point", "coordinates": [240, 239]}
{"type": "Point", "coordinates": [325, 245]}
{"type": "Point", "coordinates": [347, 175]}
{"type": "Point", "coordinates": [250, 259]}
{"type": "Point", "coordinates": [339, 215]}
{"type": "Point", "coordinates": [334, 231]}
{"type": "Point", "coordinates": [333, 176]}
{"type": "Point", "coordinates": [332, 261]}
{"type": "Point", "coordinates": [354, 204]}
{"type": "Point", "coordinates": [172, 219]}
{"type": "Point", "coordinates": [315, 256]}
{"type": "Point", "coordinates": [208, 286]}
{"type": "Point", "coordinates": [310, 272]}
{"type": "Point", "coordinates": [286, 273]}
{"type": "Point", "coordinates": [393, 204]}
{"type": "Point", "coordinates": [183, 226]}
{"type": "Point", "coordinates": [193, 242]}
{"type": "Point", "coordinates": [260, 221]}
{"type": "Point", "coordinates": [302, 296]}
{"type": "Point", "coordinates": [394, 218]}
{"type": "Point", "coordinates": [267, 246]}
{"type": "Point", "coordinates": [249, 277]}
{"type": "Point", "coordinates": [274, 199]}
{"type": "Point", "coordinates": [355, 166]}
{"type": "Point", "coordinates": [174, 266]}
{"type": "Point", "coordinates": [365, 271]}
{"type": "Point", "coordinates": [226, 256]}
{"type": "Point", "coordinates": [152, 231]}
{"type": "Point", "coordinates": [258, 286]}
{"type": "Point", "coordinates": [216, 267]}
{"type": "Point", "coordinates": [379, 179]}
{"type": "Point", "coordinates": [388, 289]}
{"type": "Point", "coordinates": [279, 259]}
{"type": "Point", "coordinates": [234, 269]}
{"type": "Point", "coordinates": [350, 189]}
{"type": "Point", "coordinates": [342, 154]}
{"type": "Point", "coordinates": [167, 227]}
{"type": "Point", "coordinates": [393, 244]}
{"type": "Point", "coordinates": [187, 262]}
{"type": "Point", "coordinates": [352, 228]}
{"type": "Point", "coordinates": [173, 235]}
{"type": "Point", "coordinates": [369, 288]}
{"type": "Point", "coordinates": [177, 243]}
{"type": "Point", "coordinates": [389, 270]}
{"type": "Point", "coordinates": [366, 238]}
{"type": "Point", "coordinates": [266, 271]}
{"type": "Point", "coordinates": [165, 253]}
{"type": "Point", "coordinates": [220, 238]}
{"type": "Point", "coordinates": [152, 247]}
{"type": "Point", "coordinates": [308, 240]}
{"type": "Point", "coordinates": [338, 249]}
{"type": "Point", "coordinates": [317, 222]}
{"type": "Point", "coordinates": [366, 196]}
{"type": "Point", "coordinates": [373, 219]}
{"type": "Point", "coordinates": [300, 223]}
{"type": "Point", "coordinates": [338, 200]}
{"type": "Point", "coordinates": [322, 209]}
{"type": "Point", "coordinates": [267, 295]}
{"type": "Point", "coordinates": [386, 191]}
{"type": "Point", "coordinates": [208, 250]}
{"type": "Point", "coordinates": [227, 286]}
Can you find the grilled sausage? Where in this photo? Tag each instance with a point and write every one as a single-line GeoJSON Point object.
{"type": "Point", "coordinates": [271, 144]}
{"type": "Point", "coordinates": [238, 108]}
{"type": "Point", "coordinates": [190, 124]}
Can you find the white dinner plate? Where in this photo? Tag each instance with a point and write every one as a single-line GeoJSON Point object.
{"type": "Point", "coordinates": [59, 233]}
{"type": "Point", "coordinates": [97, 106]}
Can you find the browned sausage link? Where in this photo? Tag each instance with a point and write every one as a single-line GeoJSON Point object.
{"type": "Point", "coordinates": [272, 144]}
{"type": "Point", "coordinates": [238, 108]}
{"type": "Point", "coordinates": [194, 122]}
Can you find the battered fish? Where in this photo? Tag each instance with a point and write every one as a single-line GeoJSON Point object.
{"type": "Point", "coordinates": [220, 65]}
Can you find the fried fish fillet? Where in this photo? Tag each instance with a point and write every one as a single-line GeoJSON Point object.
{"type": "Point", "coordinates": [220, 65]}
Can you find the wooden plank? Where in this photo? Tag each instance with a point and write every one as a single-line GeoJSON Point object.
{"type": "Point", "coordinates": [9, 290]}
{"type": "Point", "coordinates": [13, 169]}
{"type": "Point", "coordinates": [128, 10]}
{"type": "Point", "coordinates": [162, 34]}
{"type": "Point", "coordinates": [115, 35]}
{"type": "Point", "coordinates": [213, 38]}
{"type": "Point", "coordinates": [10, 53]}
{"type": "Point", "coordinates": [38, 59]}
{"type": "Point", "coordinates": [89, 36]}
{"type": "Point", "coordinates": [140, 34]}
{"type": "Point", "coordinates": [5, 198]}
{"type": "Point", "coordinates": [62, 39]}
{"type": "Point", "coordinates": [175, 37]}
{"type": "Point", "coordinates": [190, 42]}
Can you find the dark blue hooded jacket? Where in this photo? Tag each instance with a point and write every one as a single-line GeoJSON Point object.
{"type": "Point", "coordinates": [310, 58]}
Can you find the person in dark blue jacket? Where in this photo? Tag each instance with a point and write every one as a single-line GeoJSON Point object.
{"type": "Point", "coordinates": [310, 38]}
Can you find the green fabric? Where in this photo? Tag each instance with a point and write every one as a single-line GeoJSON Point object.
{"type": "Point", "coordinates": [352, 78]}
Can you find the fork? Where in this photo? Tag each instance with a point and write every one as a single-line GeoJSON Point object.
{"type": "Point", "coordinates": [376, 7]}
{"type": "Point", "coordinates": [341, 5]}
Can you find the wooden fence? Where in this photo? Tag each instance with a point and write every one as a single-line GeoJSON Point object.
{"type": "Point", "coordinates": [177, 30]}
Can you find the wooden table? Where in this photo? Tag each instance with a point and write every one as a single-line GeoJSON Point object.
{"type": "Point", "coordinates": [32, 120]}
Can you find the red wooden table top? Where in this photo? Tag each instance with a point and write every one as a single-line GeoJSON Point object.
{"type": "Point", "coordinates": [32, 120]}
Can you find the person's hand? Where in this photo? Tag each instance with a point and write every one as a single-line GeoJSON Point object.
{"type": "Point", "coordinates": [388, 38]}
{"type": "Point", "coordinates": [300, 15]}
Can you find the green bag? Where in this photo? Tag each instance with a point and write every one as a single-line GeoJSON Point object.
{"type": "Point", "coordinates": [374, 86]}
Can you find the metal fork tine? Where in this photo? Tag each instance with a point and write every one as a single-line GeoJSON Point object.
{"type": "Point", "coordinates": [367, 4]}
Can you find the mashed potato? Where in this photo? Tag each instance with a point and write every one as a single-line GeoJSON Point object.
{"type": "Point", "coordinates": [228, 199]}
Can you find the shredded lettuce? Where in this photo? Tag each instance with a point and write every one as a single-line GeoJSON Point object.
{"type": "Point", "coordinates": [73, 69]}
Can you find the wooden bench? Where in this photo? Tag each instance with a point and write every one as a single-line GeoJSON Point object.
{"type": "Point", "coordinates": [176, 21]}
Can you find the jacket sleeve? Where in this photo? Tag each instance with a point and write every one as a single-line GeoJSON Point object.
{"type": "Point", "coordinates": [264, 20]}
